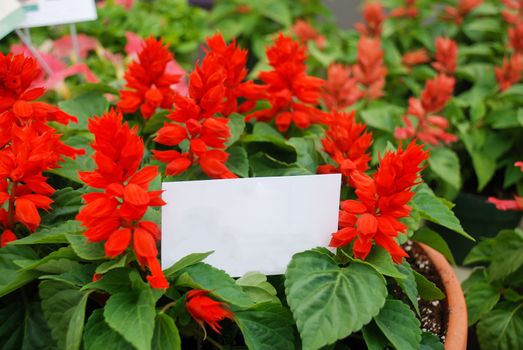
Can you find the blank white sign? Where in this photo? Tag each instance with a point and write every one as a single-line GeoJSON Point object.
{"type": "Point", "coordinates": [252, 224]}
{"type": "Point", "coordinates": [54, 12]}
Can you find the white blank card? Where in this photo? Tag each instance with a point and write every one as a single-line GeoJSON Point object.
{"type": "Point", "coordinates": [252, 224]}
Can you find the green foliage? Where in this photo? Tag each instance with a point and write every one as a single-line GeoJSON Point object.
{"type": "Point", "coordinates": [400, 325]}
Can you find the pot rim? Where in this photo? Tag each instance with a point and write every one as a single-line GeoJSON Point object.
{"type": "Point", "coordinates": [457, 325]}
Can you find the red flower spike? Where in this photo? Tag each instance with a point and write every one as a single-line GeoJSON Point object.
{"type": "Point", "coordinates": [148, 85]}
{"type": "Point", "coordinates": [203, 309]}
{"type": "Point", "coordinates": [293, 94]}
{"type": "Point", "coordinates": [382, 201]}
{"type": "Point", "coordinates": [374, 16]}
{"type": "Point", "coordinates": [347, 142]}
{"type": "Point", "coordinates": [437, 93]}
{"type": "Point", "coordinates": [515, 35]}
{"type": "Point", "coordinates": [370, 70]}
{"type": "Point", "coordinates": [506, 204]}
{"type": "Point", "coordinates": [415, 57]}
{"type": "Point", "coordinates": [446, 56]}
{"type": "Point", "coordinates": [305, 32]}
{"type": "Point", "coordinates": [340, 90]}
{"type": "Point", "coordinates": [115, 215]}
{"type": "Point", "coordinates": [458, 13]}
{"type": "Point", "coordinates": [408, 11]}
{"type": "Point", "coordinates": [510, 72]}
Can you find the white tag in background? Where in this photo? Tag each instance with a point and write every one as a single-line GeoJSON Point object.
{"type": "Point", "coordinates": [252, 224]}
{"type": "Point", "coordinates": [54, 12]}
{"type": "Point", "coordinates": [11, 15]}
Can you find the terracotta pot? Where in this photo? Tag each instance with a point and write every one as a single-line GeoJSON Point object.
{"type": "Point", "coordinates": [457, 325]}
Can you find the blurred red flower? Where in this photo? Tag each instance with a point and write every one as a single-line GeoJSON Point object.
{"type": "Point", "coordinates": [409, 10]}
{"type": "Point", "coordinates": [370, 70]}
{"type": "Point", "coordinates": [341, 88]}
{"type": "Point", "coordinates": [510, 72]}
{"type": "Point", "coordinates": [458, 13]}
{"type": "Point", "coordinates": [415, 57]}
{"type": "Point", "coordinates": [305, 32]}
{"type": "Point", "coordinates": [374, 16]}
{"type": "Point", "coordinates": [515, 35]}
{"type": "Point", "coordinates": [446, 56]}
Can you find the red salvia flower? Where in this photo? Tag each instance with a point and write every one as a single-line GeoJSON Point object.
{"type": "Point", "coordinates": [115, 215]}
{"type": "Point", "coordinates": [194, 119]}
{"type": "Point", "coordinates": [409, 10]}
{"type": "Point", "coordinates": [293, 94]}
{"type": "Point", "coordinates": [370, 70]}
{"type": "Point", "coordinates": [347, 142]}
{"type": "Point", "coordinates": [374, 16]}
{"type": "Point", "coordinates": [305, 32]}
{"type": "Point", "coordinates": [381, 201]}
{"type": "Point", "coordinates": [148, 85]}
{"type": "Point", "coordinates": [203, 309]}
{"type": "Point", "coordinates": [515, 35]}
{"type": "Point", "coordinates": [510, 72]}
{"type": "Point", "coordinates": [233, 60]}
{"type": "Point", "coordinates": [514, 13]}
{"type": "Point", "coordinates": [446, 56]}
{"type": "Point", "coordinates": [341, 89]}
{"type": "Point", "coordinates": [428, 127]}
{"type": "Point", "coordinates": [415, 57]}
{"type": "Point", "coordinates": [458, 13]}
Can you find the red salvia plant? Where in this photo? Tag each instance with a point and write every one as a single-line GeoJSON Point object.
{"type": "Point", "coordinates": [446, 56]}
{"type": "Point", "coordinates": [148, 85]}
{"type": "Point", "coordinates": [341, 88]}
{"type": "Point", "coordinates": [374, 217]}
{"type": "Point", "coordinates": [429, 127]}
{"type": "Point", "coordinates": [510, 72]}
{"type": "Point", "coordinates": [305, 32]}
{"type": "Point", "coordinates": [293, 94]}
{"type": "Point", "coordinates": [347, 142]}
{"type": "Point", "coordinates": [370, 70]}
{"type": "Point", "coordinates": [408, 11]}
{"type": "Point", "coordinates": [515, 35]}
{"type": "Point", "coordinates": [459, 12]}
{"type": "Point", "coordinates": [414, 58]}
{"type": "Point", "coordinates": [204, 309]}
{"type": "Point", "coordinates": [194, 119]}
{"type": "Point", "coordinates": [114, 215]}
{"type": "Point", "coordinates": [233, 60]}
{"type": "Point", "coordinates": [374, 16]}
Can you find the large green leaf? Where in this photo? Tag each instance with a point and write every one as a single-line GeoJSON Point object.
{"type": "Point", "coordinates": [166, 335]}
{"type": "Point", "coordinates": [381, 260]}
{"type": "Point", "coordinates": [98, 335]}
{"type": "Point", "coordinates": [382, 116]}
{"type": "Point", "coordinates": [306, 149]}
{"type": "Point", "coordinates": [85, 249]}
{"type": "Point", "coordinates": [434, 240]}
{"type": "Point", "coordinates": [84, 107]}
{"type": "Point", "coordinates": [266, 326]}
{"type": "Point", "coordinates": [186, 261]}
{"type": "Point", "coordinates": [11, 276]}
{"type": "Point", "coordinates": [408, 284]}
{"type": "Point", "coordinates": [238, 162]}
{"type": "Point", "coordinates": [64, 309]}
{"type": "Point", "coordinates": [445, 163]}
{"type": "Point", "coordinates": [23, 327]}
{"type": "Point", "coordinates": [481, 296]}
{"type": "Point", "coordinates": [507, 255]}
{"type": "Point", "coordinates": [52, 235]}
{"type": "Point", "coordinates": [330, 302]}
{"type": "Point", "coordinates": [430, 342]}
{"type": "Point", "coordinates": [400, 325]}
{"type": "Point", "coordinates": [132, 314]}
{"type": "Point", "coordinates": [434, 209]}
{"type": "Point", "coordinates": [256, 286]}
{"type": "Point", "coordinates": [374, 337]}
{"type": "Point", "coordinates": [501, 328]}
{"type": "Point", "coordinates": [237, 125]}
{"type": "Point", "coordinates": [481, 253]}
{"type": "Point", "coordinates": [427, 290]}
{"type": "Point", "coordinates": [204, 276]}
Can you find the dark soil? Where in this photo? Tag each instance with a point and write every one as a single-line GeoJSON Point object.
{"type": "Point", "coordinates": [434, 314]}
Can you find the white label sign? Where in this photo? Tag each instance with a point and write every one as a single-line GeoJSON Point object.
{"type": "Point", "coordinates": [54, 12]}
{"type": "Point", "coordinates": [11, 15]}
{"type": "Point", "coordinates": [252, 224]}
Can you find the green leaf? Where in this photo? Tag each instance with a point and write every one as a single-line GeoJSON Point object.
{"type": "Point", "coordinates": [132, 314]}
{"type": "Point", "coordinates": [166, 335]}
{"type": "Point", "coordinates": [238, 162]}
{"type": "Point", "coordinates": [266, 326]}
{"type": "Point", "coordinates": [112, 264]}
{"type": "Point", "coordinates": [481, 253]}
{"type": "Point", "coordinates": [430, 342]}
{"type": "Point", "coordinates": [400, 325]}
{"type": "Point", "coordinates": [427, 290]}
{"type": "Point", "coordinates": [23, 327]}
{"type": "Point", "coordinates": [307, 152]}
{"type": "Point", "coordinates": [481, 296]}
{"type": "Point", "coordinates": [85, 249]}
{"type": "Point", "coordinates": [381, 260]}
{"type": "Point", "coordinates": [237, 126]}
{"type": "Point", "coordinates": [156, 122]}
{"type": "Point", "coordinates": [186, 261]}
{"type": "Point", "coordinates": [433, 209]}
{"type": "Point", "coordinates": [482, 29]}
{"type": "Point", "coordinates": [445, 163]}
{"type": "Point", "coordinates": [267, 132]}
{"type": "Point", "coordinates": [274, 9]}
{"type": "Point", "coordinates": [408, 284]}
{"type": "Point", "coordinates": [434, 240]}
{"type": "Point", "coordinates": [115, 281]}
{"type": "Point", "coordinates": [507, 255]}
{"type": "Point", "coordinates": [53, 235]}
{"type": "Point", "coordinates": [61, 253]}
{"type": "Point", "coordinates": [98, 335]}
{"type": "Point", "coordinates": [501, 329]}
{"type": "Point", "coordinates": [64, 309]}
{"type": "Point", "coordinates": [221, 285]}
{"type": "Point", "coordinates": [84, 107]}
{"type": "Point", "coordinates": [374, 338]}
{"type": "Point", "coordinates": [382, 116]}
{"type": "Point", "coordinates": [67, 203]}
{"type": "Point", "coordinates": [265, 165]}
{"type": "Point", "coordinates": [11, 276]}
{"type": "Point", "coordinates": [330, 302]}
{"type": "Point", "coordinates": [256, 286]}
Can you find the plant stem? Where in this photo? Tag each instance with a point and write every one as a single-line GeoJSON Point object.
{"type": "Point", "coordinates": [167, 307]}
{"type": "Point", "coordinates": [11, 208]}
{"type": "Point", "coordinates": [214, 343]}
